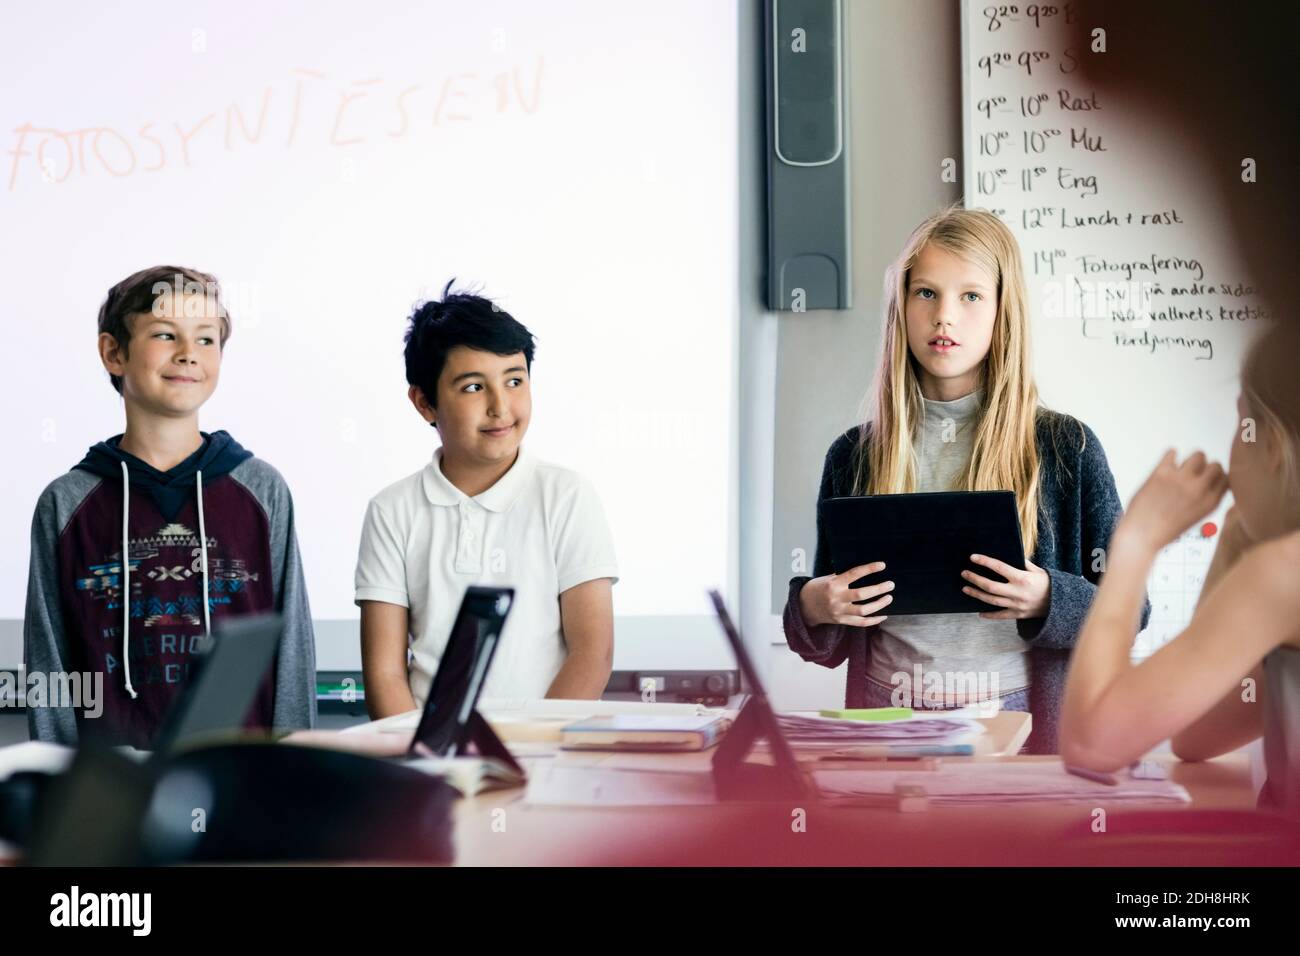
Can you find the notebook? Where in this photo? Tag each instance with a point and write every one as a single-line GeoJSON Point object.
{"type": "Point", "coordinates": [644, 732]}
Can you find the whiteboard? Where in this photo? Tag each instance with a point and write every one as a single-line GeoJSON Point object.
{"type": "Point", "coordinates": [1140, 308]}
{"type": "Point", "coordinates": [332, 164]}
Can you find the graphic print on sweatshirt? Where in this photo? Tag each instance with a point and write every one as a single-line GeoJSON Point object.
{"type": "Point", "coordinates": [173, 554]}
{"type": "Point", "coordinates": [166, 596]}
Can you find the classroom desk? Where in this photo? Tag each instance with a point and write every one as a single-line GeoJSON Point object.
{"type": "Point", "coordinates": [1219, 827]}
{"type": "Point", "coordinates": [762, 834]}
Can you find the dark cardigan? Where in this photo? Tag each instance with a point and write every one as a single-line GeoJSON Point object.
{"type": "Point", "coordinates": [1078, 509]}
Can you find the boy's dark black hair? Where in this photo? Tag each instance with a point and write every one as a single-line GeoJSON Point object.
{"type": "Point", "coordinates": [460, 318]}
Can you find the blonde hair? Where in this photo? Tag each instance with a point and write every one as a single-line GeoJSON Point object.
{"type": "Point", "coordinates": [1004, 454]}
{"type": "Point", "coordinates": [1272, 393]}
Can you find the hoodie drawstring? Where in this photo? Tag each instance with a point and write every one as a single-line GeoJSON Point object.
{"type": "Point", "coordinates": [126, 580]}
{"type": "Point", "coordinates": [203, 552]}
{"type": "Point", "coordinates": [126, 570]}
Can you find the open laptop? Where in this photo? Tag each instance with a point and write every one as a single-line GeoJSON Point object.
{"type": "Point", "coordinates": [734, 778]}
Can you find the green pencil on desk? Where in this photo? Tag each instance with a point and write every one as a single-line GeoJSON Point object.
{"type": "Point", "coordinates": [870, 713]}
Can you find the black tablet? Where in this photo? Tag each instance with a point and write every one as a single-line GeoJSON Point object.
{"type": "Point", "coordinates": [926, 541]}
{"type": "Point", "coordinates": [225, 677]}
{"type": "Point", "coordinates": [734, 777]}
{"type": "Point", "coordinates": [449, 717]}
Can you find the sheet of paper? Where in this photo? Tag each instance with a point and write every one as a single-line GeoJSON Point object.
{"type": "Point", "coordinates": [371, 744]}
{"type": "Point", "coordinates": [396, 724]}
{"type": "Point", "coordinates": [553, 714]}
{"type": "Point", "coordinates": [997, 782]}
{"type": "Point", "coordinates": [556, 784]}
{"type": "Point", "coordinates": [468, 774]}
{"type": "Point", "coordinates": [510, 706]}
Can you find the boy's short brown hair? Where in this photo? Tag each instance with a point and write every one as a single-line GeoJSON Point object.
{"type": "Point", "coordinates": [139, 292]}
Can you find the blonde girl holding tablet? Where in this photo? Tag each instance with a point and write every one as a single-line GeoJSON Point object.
{"type": "Point", "coordinates": [953, 406]}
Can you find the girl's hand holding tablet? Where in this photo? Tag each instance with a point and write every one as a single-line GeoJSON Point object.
{"type": "Point", "coordinates": [829, 599]}
{"type": "Point", "coordinates": [1027, 593]}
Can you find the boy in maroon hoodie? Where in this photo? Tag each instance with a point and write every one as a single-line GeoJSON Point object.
{"type": "Point", "coordinates": [161, 532]}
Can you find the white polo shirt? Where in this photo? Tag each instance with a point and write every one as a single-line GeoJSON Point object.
{"type": "Point", "coordinates": [540, 529]}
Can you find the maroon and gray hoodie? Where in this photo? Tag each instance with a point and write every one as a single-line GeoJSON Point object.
{"type": "Point", "coordinates": [132, 566]}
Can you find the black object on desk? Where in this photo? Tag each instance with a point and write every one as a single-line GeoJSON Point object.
{"type": "Point", "coordinates": [98, 812]}
{"type": "Point", "coordinates": [451, 722]}
{"type": "Point", "coordinates": [308, 803]}
{"type": "Point", "coordinates": [735, 778]}
{"type": "Point", "coordinates": [261, 801]}
{"type": "Point", "coordinates": [92, 814]}
{"type": "Point", "coordinates": [225, 677]}
{"type": "Point", "coordinates": [277, 802]}
{"type": "Point", "coordinates": [50, 814]}
{"type": "Point", "coordinates": [289, 802]}
{"type": "Point", "coordinates": [926, 541]}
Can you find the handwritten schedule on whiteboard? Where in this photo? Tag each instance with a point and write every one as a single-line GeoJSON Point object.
{"type": "Point", "coordinates": [1140, 308]}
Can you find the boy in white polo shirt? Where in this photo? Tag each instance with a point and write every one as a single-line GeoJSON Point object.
{"type": "Point", "coordinates": [484, 511]}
